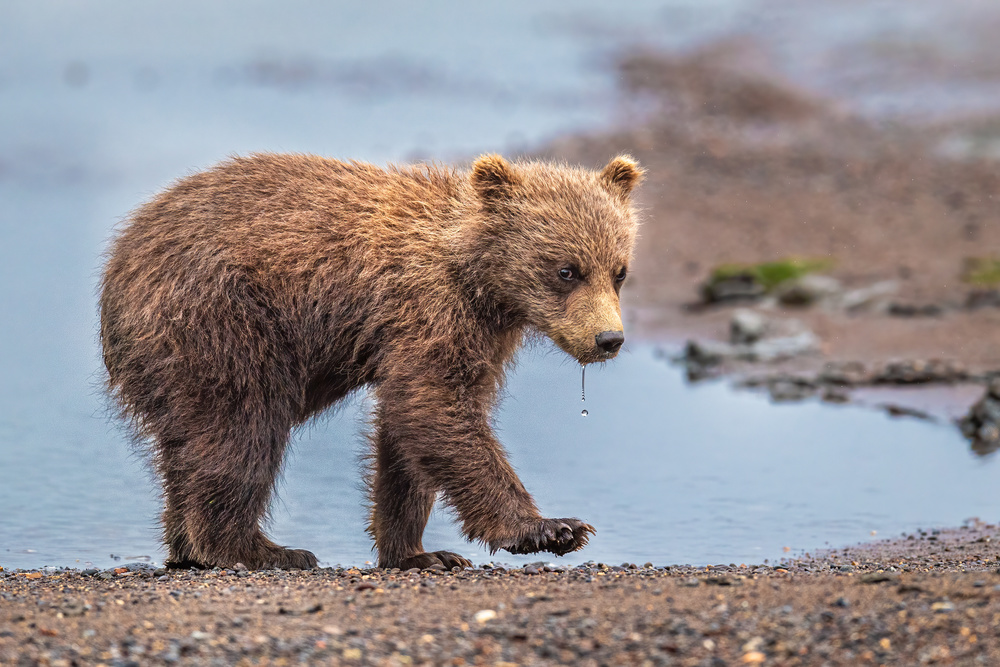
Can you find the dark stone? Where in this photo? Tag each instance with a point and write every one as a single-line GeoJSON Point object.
{"type": "Point", "coordinates": [913, 310]}
{"type": "Point", "coordinates": [740, 287]}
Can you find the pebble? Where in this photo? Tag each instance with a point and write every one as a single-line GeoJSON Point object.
{"type": "Point", "coordinates": [485, 615]}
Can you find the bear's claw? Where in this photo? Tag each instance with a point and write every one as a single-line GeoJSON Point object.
{"type": "Point", "coordinates": [558, 536]}
{"type": "Point", "coordinates": [430, 559]}
{"type": "Point", "coordinates": [265, 559]}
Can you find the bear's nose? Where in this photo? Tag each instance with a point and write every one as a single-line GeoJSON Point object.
{"type": "Point", "coordinates": [610, 341]}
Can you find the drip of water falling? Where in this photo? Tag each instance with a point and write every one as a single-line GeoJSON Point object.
{"type": "Point", "coordinates": [583, 388]}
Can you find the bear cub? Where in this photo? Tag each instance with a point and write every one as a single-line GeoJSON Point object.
{"type": "Point", "coordinates": [247, 298]}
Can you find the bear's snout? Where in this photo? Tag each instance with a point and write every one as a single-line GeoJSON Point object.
{"type": "Point", "coordinates": [610, 341]}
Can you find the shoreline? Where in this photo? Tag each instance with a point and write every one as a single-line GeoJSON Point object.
{"type": "Point", "coordinates": [930, 596]}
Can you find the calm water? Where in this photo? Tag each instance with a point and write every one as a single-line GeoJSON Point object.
{"type": "Point", "coordinates": [666, 472]}
{"type": "Point", "coordinates": [102, 103]}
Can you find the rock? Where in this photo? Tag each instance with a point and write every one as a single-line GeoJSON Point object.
{"type": "Point", "coordinates": [914, 310]}
{"type": "Point", "coordinates": [808, 290]}
{"type": "Point", "coordinates": [845, 373]}
{"type": "Point", "coordinates": [789, 389]}
{"type": "Point", "coordinates": [983, 298]}
{"type": "Point", "coordinates": [739, 287]}
{"type": "Point", "coordinates": [722, 581]}
{"type": "Point", "coordinates": [485, 615]}
{"type": "Point", "coordinates": [920, 371]}
{"type": "Point", "coordinates": [746, 327]}
{"type": "Point", "coordinates": [835, 395]}
{"type": "Point", "coordinates": [710, 353]}
{"type": "Point", "coordinates": [982, 425]}
{"type": "Point", "coordinates": [994, 388]}
{"type": "Point", "coordinates": [874, 297]}
{"type": "Point", "coordinates": [786, 347]}
{"type": "Point", "coordinates": [895, 410]}
{"type": "Point", "coordinates": [702, 359]}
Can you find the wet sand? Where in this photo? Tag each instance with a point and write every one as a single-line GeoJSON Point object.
{"type": "Point", "coordinates": [927, 598]}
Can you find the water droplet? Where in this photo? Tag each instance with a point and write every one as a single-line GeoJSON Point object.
{"type": "Point", "coordinates": [583, 383]}
{"type": "Point", "coordinates": [584, 413]}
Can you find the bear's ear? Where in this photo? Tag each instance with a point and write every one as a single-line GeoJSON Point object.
{"type": "Point", "coordinates": [493, 177]}
{"type": "Point", "coordinates": [621, 176]}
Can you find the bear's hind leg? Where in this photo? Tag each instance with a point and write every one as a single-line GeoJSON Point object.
{"type": "Point", "coordinates": [180, 553]}
{"type": "Point", "coordinates": [227, 494]}
{"type": "Point", "coordinates": [401, 507]}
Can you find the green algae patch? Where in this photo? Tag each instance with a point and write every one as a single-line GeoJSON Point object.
{"type": "Point", "coordinates": [983, 271]}
{"type": "Point", "coordinates": [771, 274]}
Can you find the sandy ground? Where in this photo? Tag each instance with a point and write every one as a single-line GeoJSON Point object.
{"type": "Point", "coordinates": [928, 598]}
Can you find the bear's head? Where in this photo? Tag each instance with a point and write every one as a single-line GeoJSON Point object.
{"type": "Point", "coordinates": [554, 245]}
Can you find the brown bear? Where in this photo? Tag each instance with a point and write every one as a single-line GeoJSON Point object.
{"type": "Point", "coordinates": [247, 298]}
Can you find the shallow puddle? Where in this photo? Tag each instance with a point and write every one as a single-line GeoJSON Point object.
{"type": "Point", "coordinates": [666, 472]}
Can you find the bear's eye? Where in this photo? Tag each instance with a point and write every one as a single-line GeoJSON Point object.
{"type": "Point", "coordinates": [566, 273]}
{"type": "Point", "coordinates": [621, 275]}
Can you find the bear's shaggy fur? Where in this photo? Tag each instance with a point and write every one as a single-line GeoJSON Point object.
{"type": "Point", "coordinates": [247, 298]}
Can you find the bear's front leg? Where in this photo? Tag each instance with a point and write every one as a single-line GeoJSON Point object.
{"type": "Point", "coordinates": [400, 509]}
{"type": "Point", "coordinates": [432, 436]}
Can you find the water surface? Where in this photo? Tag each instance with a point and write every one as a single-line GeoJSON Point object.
{"type": "Point", "coordinates": [666, 472]}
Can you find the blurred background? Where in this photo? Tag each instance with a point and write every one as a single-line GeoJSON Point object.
{"type": "Point", "coordinates": [865, 134]}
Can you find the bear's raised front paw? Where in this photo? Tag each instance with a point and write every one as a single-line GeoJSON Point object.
{"type": "Point", "coordinates": [430, 559]}
{"type": "Point", "coordinates": [558, 536]}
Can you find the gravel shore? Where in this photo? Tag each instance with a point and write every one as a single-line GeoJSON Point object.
{"type": "Point", "coordinates": [928, 598]}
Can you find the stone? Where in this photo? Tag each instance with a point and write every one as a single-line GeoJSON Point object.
{"type": "Point", "coordinates": [786, 347]}
{"type": "Point", "coordinates": [746, 327]}
{"type": "Point", "coordinates": [873, 297]}
{"type": "Point", "coordinates": [741, 287]}
{"type": "Point", "coordinates": [808, 290]}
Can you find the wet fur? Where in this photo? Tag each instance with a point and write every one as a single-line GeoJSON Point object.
{"type": "Point", "coordinates": [248, 298]}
